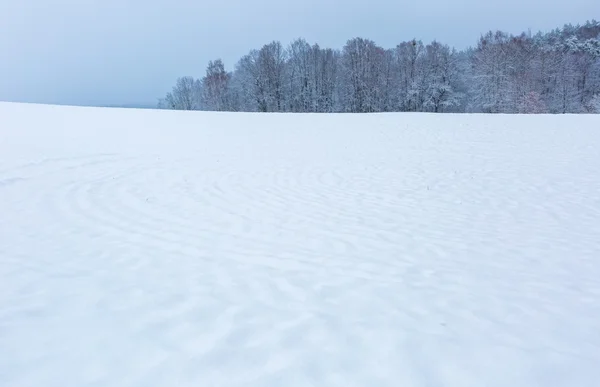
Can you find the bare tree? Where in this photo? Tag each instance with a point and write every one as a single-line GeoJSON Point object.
{"type": "Point", "coordinates": [271, 63]}
{"type": "Point", "coordinates": [362, 77]}
{"type": "Point", "coordinates": [215, 87]}
{"type": "Point", "coordinates": [184, 96]}
{"type": "Point", "coordinates": [409, 57]}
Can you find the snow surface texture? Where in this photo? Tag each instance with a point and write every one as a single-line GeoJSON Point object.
{"type": "Point", "coordinates": [162, 248]}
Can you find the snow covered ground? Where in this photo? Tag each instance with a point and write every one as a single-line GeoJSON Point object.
{"type": "Point", "coordinates": [160, 248]}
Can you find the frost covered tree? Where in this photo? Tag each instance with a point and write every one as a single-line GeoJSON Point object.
{"type": "Point", "coordinates": [271, 66]}
{"type": "Point", "coordinates": [594, 105]}
{"type": "Point", "coordinates": [327, 64]}
{"type": "Point", "coordinates": [259, 79]}
{"type": "Point", "coordinates": [301, 77]}
{"type": "Point", "coordinates": [491, 66]}
{"type": "Point", "coordinates": [409, 56]}
{"type": "Point", "coordinates": [216, 94]}
{"type": "Point", "coordinates": [362, 76]}
{"type": "Point", "coordinates": [185, 95]}
{"type": "Point", "coordinates": [440, 78]}
{"type": "Point", "coordinates": [247, 83]}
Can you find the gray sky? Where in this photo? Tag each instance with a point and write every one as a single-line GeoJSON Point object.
{"type": "Point", "coordinates": [131, 51]}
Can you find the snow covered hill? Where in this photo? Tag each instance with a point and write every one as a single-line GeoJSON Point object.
{"type": "Point", "coordinates": [161, 248]}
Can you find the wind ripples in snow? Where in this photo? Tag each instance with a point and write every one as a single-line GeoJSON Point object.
{"type": "Point", "coordinates": [430, 255]}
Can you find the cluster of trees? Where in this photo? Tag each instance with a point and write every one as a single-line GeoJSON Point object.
{"type": "Point", "coordinates": [554, 72]}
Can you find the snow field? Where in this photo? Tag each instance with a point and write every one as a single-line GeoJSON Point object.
{"type": "Point", "coordinates": [162, 248]}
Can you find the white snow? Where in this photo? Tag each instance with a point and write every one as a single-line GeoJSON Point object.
{"type": "Point", "coordinates": [160, 248]}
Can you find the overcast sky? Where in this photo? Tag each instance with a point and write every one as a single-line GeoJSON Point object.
{"type": "Point", "coordinates": [104, 52]}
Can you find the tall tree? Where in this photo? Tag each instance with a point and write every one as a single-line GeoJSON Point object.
{"type": "Point", "coordinates": [271, 66]}
{"type": "Point", "coordinates": [440, 78]}
{"type": "Point", "coordinates": [409, 56]}
{"type": "Point", "coordinates": [301, 77]}
{"type": "Point", "coordinates": [362, 76]}
{"type": "Point", "coordinates": [215, 87]}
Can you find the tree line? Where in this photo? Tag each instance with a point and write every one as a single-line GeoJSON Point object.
{"type": "Point", "coordinates": [553, 72]}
